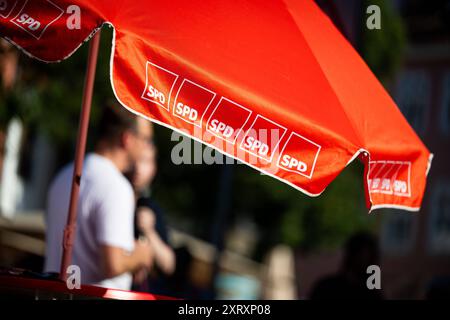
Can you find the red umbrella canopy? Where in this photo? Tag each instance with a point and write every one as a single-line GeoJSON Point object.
{"type": "Point", "coordinates": [272, 84]}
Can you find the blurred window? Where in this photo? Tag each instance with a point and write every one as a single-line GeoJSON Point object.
{"type": "Point", "coordinates": [398, 232]}
{"type": "Point", "coordinates": [413, 97]}
{"type": "Point", "coordinates": [445, 109]}
{"type": "Point", "coordinates": [439, 221]}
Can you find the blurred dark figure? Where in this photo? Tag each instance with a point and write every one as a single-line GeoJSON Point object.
{"type": "Point", "coordinates": [439, 289]}
{"type": "Point", "coordinates": [180, 283]}
{"type": "Point", "coordinates": [361, 251]}
{"type": "Point", "coordinates": [150, 224]}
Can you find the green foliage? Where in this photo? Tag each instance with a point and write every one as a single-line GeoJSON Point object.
{"type": "Point", "coordinates": [47, 97]}
{"type": "Point", "coordinates": [383, 49]}
{"type": "Point", "coordinates": [8, 107]}
{"type": "Point", "coordinates": [289, 216]}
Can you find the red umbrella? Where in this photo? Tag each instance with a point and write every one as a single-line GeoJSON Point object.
{"type": "Point", "coordinates": [273, 84]}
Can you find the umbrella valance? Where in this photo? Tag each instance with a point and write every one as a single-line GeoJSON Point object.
{"type": "Point", "coordinates": [272, 84]}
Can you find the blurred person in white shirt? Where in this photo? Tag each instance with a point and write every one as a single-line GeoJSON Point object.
{"type": "Point", "coordinates": [104, 246]}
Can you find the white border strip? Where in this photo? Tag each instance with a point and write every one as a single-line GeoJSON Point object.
{"type": "Point", "coordinates": [393, 206]}
{"type": "Point", "coordinates": [29, 54]}
{"type": "Point", "coordinates": [430, 159]}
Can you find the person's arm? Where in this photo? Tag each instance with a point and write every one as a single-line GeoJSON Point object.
{"type": "Point", "coordinates": [116, 261]}
{"type": "Point", "coordinates": [119, 252]}
{"type": "Point", "coordinates": [163, 254]}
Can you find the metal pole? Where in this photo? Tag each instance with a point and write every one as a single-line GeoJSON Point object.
{"type": "Point", "coordinates": [221, 217]}
{"type": "Point", "coordinates": [69, 231]}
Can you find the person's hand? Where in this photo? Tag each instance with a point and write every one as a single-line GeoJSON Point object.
{"type": "Point", "coordinates": [146, 220]}
{"type": "Point", "coordinates": [144, 251]}
{"type": "Point", "coordinates": [140, 276]}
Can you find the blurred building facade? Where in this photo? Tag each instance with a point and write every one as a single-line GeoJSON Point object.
{"type": "Point", "coordinates": [416, 246]}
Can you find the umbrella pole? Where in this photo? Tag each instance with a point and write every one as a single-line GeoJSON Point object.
{"type": "Point", "coordinates": [69, 230]}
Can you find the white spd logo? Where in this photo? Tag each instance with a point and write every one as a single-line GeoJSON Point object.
{"type": "Point", "coordinates": [36, 16]}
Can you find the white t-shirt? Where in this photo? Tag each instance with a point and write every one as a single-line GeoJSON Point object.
{"type": "Point", "coordinates": [105, 216]}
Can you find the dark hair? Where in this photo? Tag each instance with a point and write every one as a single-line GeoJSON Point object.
{"type": "Point", "coordinates": [114, 121]}
{"type": "Point", "coordinates": [358, 243]}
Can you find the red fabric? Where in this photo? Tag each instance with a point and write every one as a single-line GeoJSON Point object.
{"type": "Point", "coordinates": [59, 289]}
{"type": "Point", "coordinates": [243, 66]}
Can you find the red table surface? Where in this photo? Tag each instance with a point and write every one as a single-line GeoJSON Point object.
{"type": "Point", "coordinates": [88, 291]}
